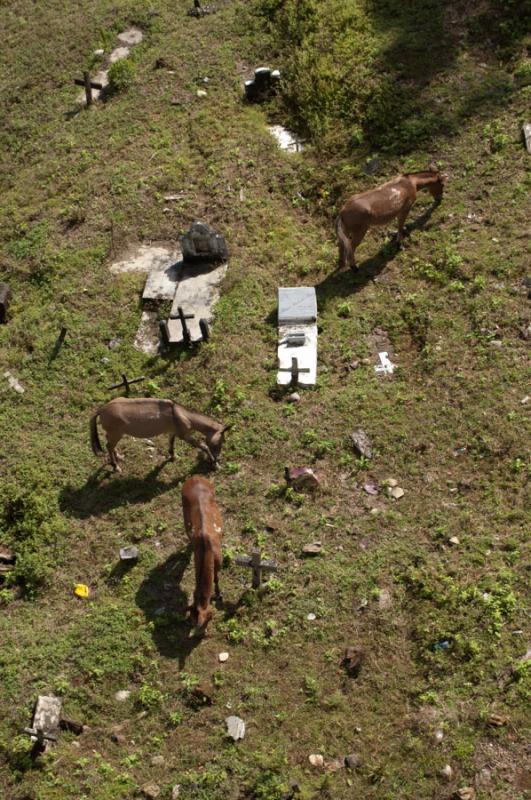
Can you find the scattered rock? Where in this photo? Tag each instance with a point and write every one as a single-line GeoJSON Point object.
{"type": "Point", "coordinates": [311, 616]}
{"type": "Point", "coordinates": [222, 657]}
{"type": "Point", "coordinates": [354, 364]}
{"type": "Point", "coordinates": [438, 735]}
{"type": "Point", "coordinates": [447, 772]}
{"type": "Point", "coordinates": [129, 553]}
{"type": "Point", "coordinates": [312, 549]}
{"type": "Point", "coordinates": [335, 765]}
{"type": "Point", "coordinates": [352, 661]}
{"type": "Point", "coordinates": [150, 790]}
{"type": "Point", "coordinates": [118, 738]}
{"type": "Point", "coordinates": [176, 791]}
{"type": "Point", "coordinates": [453, 540]}
{"type": "Point", "coordinates": [294, 397]}
{"type": "Point", "coordinates": [316, 760]}
{"type": "Point", "coordinates": [353, 760]}
{"type": "Point", "coordinates": [235, 728]}
{"type": "Point", "coordinates": [396, 492]}
{"type": "Point", "coordinates": [202, 93]}
{"type": "Point", "coordinates": [158, 761]}
{"type": "Point", "coordinates": [525, 400]}
{"type": "Point", "coordinates": [301, 478]}
{"type": "Point", "coordinates": [100, 52]}
{"type": "Point", "coordinates": [483, 777]}
{"type": "Point", "coordinates": [370, 488]}
{"type": "Point", "coordinates": [496, 720]}
{"type": "Point", "coordinates": [496, 343]}
{"type": "Point", "coordinates": [114, 343]}
{"type": "Point", "coordinates": [361, 443]}
{"type": "Point", "coordinates": [122, 695]}
{"type": "Point", "coordinates": [466, 793]}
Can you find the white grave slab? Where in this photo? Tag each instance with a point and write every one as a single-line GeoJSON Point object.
{"type": "Point", "coordinates": [198, 290]}
{"type": "Point", "coordinates": [47, 716]}
{"type": "Point", "coordinates": [286, 139]}
{"type": "Point", "coordinates": [155, 257]}
{"type": "Point", "coordinates": [147, 336]}
{"type": "Point", "coordinates": [297, 334]}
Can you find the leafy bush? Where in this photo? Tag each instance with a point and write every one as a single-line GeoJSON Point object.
{"type": "Point", "coordinates": [121, 75]}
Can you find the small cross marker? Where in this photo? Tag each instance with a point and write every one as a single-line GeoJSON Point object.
{"type": "Point", "coordinates": [295, 370]}
{"type": "Point", "coordinates": [180, 315]}
{"type": "Point", "coordinates": [254, 561]}
{"type": "Point", "coordinates": [89, 86]}
{"type": "Point", "coordinates": [126, 383]}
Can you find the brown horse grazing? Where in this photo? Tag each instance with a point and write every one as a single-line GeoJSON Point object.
{"type": "Point", "coordinates": [379, 206]}
{"type": "Point", "coordinates": [145, 417]}
{"type": "Point", "coordinates": [203, 524]}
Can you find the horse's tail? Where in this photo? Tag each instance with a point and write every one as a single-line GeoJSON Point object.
{"type": "Point", "coordinates": [346, 254]}
{"type": "Point", "coordinates": [94, 438]}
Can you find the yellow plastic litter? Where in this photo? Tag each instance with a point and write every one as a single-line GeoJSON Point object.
{"type": "Point", "coordinates": [81, 590]}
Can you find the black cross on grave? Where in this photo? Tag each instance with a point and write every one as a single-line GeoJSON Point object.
{"type": "Point", "coordinates": [254, 561]}
{"type": "Point", "coordinates": [183, 317]}
{"type": "Point", "coordinates": [126, 383]}
{"type": "Point", "coordinates": [295, 370]}
{"type": "Point", "coordinates": [89, 86]}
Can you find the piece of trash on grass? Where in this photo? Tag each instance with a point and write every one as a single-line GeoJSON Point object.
{"type": "Point", "coordinates": [311, 617]}
{"type": "Point", "coordinates": [444, 644]}
{"type": "Point", "coordinates": [81, 590]}
{"type": "Point", "coordinates": [129, 553]}
{"type": "Point", "coordinates": [386, 366]}
{"type": "Point", "coordinates": [13, 382]}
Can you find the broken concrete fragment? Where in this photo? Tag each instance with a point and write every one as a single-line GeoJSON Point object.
{"type": "Point", "coordinates": [46, 717]}
{"type": "Point", "coordinates": [496, 720]}
{"type": "Point", "coordinates": [335, 765]}
{"type": "Point", "coordinates": [526, 130]}
{"type": "Point", "coordinates": [301, 478]}
{"type": "Point", "coordinates": [235, 727]}
{"type": "Point", "coordinates": [129, 553]}
{"type": "Point", "coordinates": [447, 772]}
{"type": "Point", "coordinates": [150, 790]}
{"type": "Point", "coordinates": [361, 443]}
{"type": "Point", "coordinates": [312, 549]}
{"type": "Point", "coordinates": [453, 540]}
{"type": "Point", "coordinates": [396, 492]}
{"type": "Point", "coordinates": [222, 657]}
{"type": "Point", "coordinates": [122, 695]}
{"type": "Point", "coordinates": [13, 382]}
{"type": "Point", "coordinates": [316, 760]}
{"type": "Point", "coordinates": [385, 600]}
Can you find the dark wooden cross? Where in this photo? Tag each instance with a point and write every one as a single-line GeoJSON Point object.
{"type": "Point", "coordinates": [254, 561]}
{"type": "Point", "coordinates": [183, 317]}
{"type": "Point", "coordinates": [59, 343]}
{"type": "Point", "coordinates": [89, 86]}
{"type": "Point", "coordinates": [295, 370]}
{"type": "Point", "coordinates": [126, 383]}
{"type": "Point", "coordinates": [5, 296]}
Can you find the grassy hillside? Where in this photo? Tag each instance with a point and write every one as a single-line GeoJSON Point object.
{"type": "Point", "coordinates": [404, 82]}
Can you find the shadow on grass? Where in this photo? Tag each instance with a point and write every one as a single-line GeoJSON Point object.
{"type": "Point", "coordinates": [104, 491]}
{"type": "Point", "coordinates": [164, 604]}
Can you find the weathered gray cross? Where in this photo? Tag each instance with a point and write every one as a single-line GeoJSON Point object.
{"type": "Point", "coordinates": [180, 315]}
{"type": "Point", "coordinates": [89, 86]}
{"type": "Point", "coordinates": [295, 370]}
{"type": "Point", "coordinates": [257, 565]}
{"type": "Point", "coordinates": [126, 383]}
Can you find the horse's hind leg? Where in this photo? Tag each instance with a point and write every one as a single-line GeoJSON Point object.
{"type": "Point", "coordinates": [356, 238]}
{"type": "Point", "coordinates": [402, 216]}
{"type": "Point", "coordinates": [112, 441]}
{"type": "Point", "coordinates": [171, 447]}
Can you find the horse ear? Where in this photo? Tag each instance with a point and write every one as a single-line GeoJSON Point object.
{"type": "Point", "coordinates": [227, 427]}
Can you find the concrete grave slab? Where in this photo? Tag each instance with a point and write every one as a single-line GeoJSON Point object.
{"type": "Point", "coordinates": [131, 36]}
{"type": "Point", "coordinates": [198, 291]}
{"type": "Point", "coordinates": [158, 256]}
{"type": "Point", "coordinates": [297, 305]}
{"type": "Point", "coordinates": [147, 336]}
{"type": "Point", "coordinates": [297, 335]}
{"type": "Point", "coordinates": [118, 54]}
{"type": "Point", "coordinates": [47, 716]}
{"type": "Point", "coordinates": [527, 136]}
{"type": "Point", "coordinates": [286, 139]}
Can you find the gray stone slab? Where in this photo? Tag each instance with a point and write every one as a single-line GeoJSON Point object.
{"type": "Point", "coordinates": [197, 292]}
{"type": "Point", "coordinates": [47, 715]}
{"type": "Point", "coordinates": [162, 283]}
{"type": "Point", "coordinates": [147, 338]}
{"type": "Point", "coordinates": [527, 136]}
{"type": "Point", "coordinates": [297, 305]}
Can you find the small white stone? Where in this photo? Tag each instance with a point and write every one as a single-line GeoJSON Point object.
{"type": "Point", "coordinates": [222, 657]}
{"type": "Point", "coordinates": [201, 93]}
{"type": "Point", "coordinates": [447, 772]}
{"type": "Point", "coordinates": [453, 540]}
{"type": "Point", "coordinates": [525, 400]}
{"type": "Point", "coordinates": [438, 735]}
{"type": "Point", "coordinates": [293, 398]}
{"type": "Point", "coordinates": [396, 492]}
{"type": "Point", "coordinates": [99, 52]}
{"type": "Point", "coordinates": [176, 791]}
{"type": "Point", "coordinates": [316, 760]}
{"type": "Point", "coordinates": [311, 617]}
{"type": "Point", "coordinates": [391, 482]}
{"type": "Point", "coordinates": [235, 728]}
{"type": "Point", "coordinates": [122, 695]}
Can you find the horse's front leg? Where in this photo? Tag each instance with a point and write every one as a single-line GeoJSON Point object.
{"type": "Point", "coordinates": [171, 447]}
{"type": "Point", "coordinates": [402, 216]}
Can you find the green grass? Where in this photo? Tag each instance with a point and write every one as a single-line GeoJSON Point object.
{"type": "Point", "coordinates": [409, 82]}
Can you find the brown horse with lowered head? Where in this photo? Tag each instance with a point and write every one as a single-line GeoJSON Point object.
{"type": "Point", "coordinates": [203, 525]}
{"type": "Point", "coordinates": [380, 205]}
{"type": "Point", "coordinates": [144, 417]}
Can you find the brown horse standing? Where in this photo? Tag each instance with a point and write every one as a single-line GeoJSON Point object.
{"type": "Point", "coordinates": [379, 206]}
{"type": "Point", "coordinates": [144, 417]}
{"type": "Point", "coordinates": [203, 524]}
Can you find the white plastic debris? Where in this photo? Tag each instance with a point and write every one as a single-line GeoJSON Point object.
{"type": "Point", "coordinates": [235, 728]}
{"type": "Point", "coordinates": [386, 366]}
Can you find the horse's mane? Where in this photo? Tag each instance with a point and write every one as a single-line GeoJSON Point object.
{"type": "Point", "coordinates": [423, 173]}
